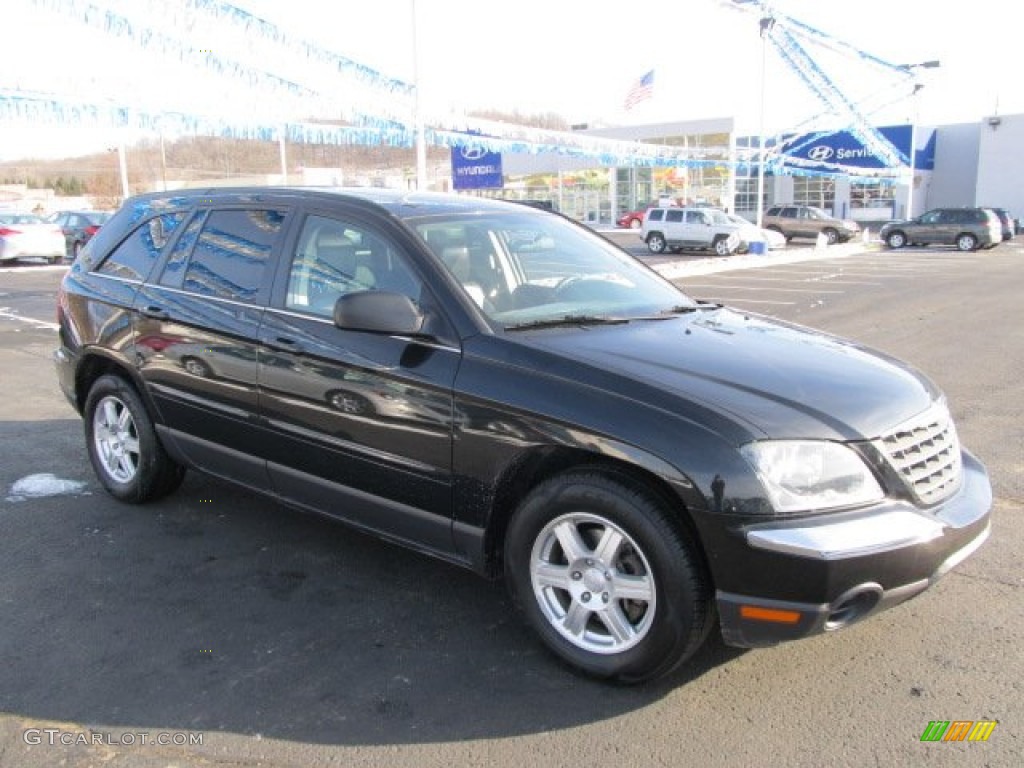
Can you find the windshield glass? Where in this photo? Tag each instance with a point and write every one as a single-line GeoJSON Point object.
{"type": "Point", "coordinates": [525, 268]}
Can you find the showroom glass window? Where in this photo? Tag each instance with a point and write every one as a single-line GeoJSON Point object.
{"type": "Point", "coordinates": [231, 253]}
{"type": "Point", "coordinates": [814, 190]}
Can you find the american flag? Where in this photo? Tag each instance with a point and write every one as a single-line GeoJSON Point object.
{"type": "Point", "coordinates": [642, 89]}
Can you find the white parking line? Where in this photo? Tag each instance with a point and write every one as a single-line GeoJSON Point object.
{"type": "Point", "coordinates": [6, 312]}
{"type": "Point", "coordinates": [815, 278]}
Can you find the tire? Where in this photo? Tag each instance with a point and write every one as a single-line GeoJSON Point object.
{"type": "Point", "coordinates": [966, 242]}
{"type": "Point", "coordinates": [197, 367]}
{"type": "Point", "coordinates": [831, 235]}
{"type": "Point", "coordinates": [721, 246]}
{"type": "Point", "coordinates": [635, 224]}
{"type": "Point", "coordinates": [896, 240]}
{"type": "Point", "coordinates": [124, 449]}
{"type": "Point", "coordinates": [656, 242]}
{"type": "Point", "coordinates": [622, 540]}
{"type": "Point", "coordinates": [349, 402]}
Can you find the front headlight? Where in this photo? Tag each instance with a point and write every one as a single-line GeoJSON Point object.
{"type": "Point", "coordinates": [807, 475]}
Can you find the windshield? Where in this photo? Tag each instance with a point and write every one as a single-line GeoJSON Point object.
{"type": "Point", "coordinates": [527, 268]}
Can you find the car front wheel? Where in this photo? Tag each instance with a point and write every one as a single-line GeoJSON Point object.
{"type": "Point", "coordinates": [124, 449]}
{"type": "Point", "coordinates": [832, 236]}
{"type": "Point", "coordinates": [722, 246]}
{"type": "Point", "coordinates": [656, 243]}
{"type": "Point", "coordinates": [609, 584]}
{"type": "Point", "coordinates": [966, 242]}
{"type": "Point", "coordinates": [896, 240]}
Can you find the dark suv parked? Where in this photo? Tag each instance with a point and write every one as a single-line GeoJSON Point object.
{"type": "Point", "coordinates": [966, 228]}
{"type": "Point", "coordinates": [503, 388]}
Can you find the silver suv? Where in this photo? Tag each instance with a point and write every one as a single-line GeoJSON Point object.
{"type": "Point", "coordinates": [676, 229]}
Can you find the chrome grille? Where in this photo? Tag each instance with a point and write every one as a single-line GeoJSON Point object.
{"type": "Point", "coordinates": [925, 452]}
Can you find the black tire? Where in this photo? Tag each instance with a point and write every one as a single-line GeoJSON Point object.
{"type": "Point", "coordinates": [671, 611]}
{"type": "Point", "coordinates": [656, 242]}
{"type": "Point", "coordinates": [123, 446]}
{"type": "Point", "coordinates": [965, 241]}
{"type": "Point", "coordinates": [196, 367]}
{"type": "Point", "coordinates": [721, 246]}
{"type": "Point", "coordinates": [896, 239]}
{"type": "Point", "coordinates": [831, 235]}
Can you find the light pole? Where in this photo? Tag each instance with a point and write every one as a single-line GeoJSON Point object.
{"type": "Point", "coordinates": [766, 24]}
{"type": "Point", "coordinates": [913, 130]}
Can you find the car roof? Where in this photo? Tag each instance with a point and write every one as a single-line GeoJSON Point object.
{"type": "Point", "coordinates": [404, 204]}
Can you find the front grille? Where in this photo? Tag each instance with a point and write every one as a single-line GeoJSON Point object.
{"type": "Point", "coordinates": [925, 452]}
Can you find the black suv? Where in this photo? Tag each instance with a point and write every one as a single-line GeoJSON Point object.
{"type": "Point", "coordinates": [503, 388]}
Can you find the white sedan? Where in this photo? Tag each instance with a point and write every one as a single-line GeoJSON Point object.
{"type": "Point", "coordinates": [23, 235]}
{"type": "Point", "coordinates": [750, 233]}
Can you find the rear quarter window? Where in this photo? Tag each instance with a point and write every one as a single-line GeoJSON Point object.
{"type": "Point", "coordinates": [135, 256]}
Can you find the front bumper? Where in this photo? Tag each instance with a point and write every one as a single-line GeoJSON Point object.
{"type": "Point", "coordinates": [865, 563]}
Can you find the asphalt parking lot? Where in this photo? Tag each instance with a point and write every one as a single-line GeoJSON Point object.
{"type": "Point", "coordinates": [286, 640]}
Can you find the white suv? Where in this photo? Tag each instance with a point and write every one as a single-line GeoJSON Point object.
{"type": "Point", "coordinates": [673, 229]}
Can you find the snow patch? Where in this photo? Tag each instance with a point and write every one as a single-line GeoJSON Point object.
{"type": "Point", "coordinates": [43, 484]}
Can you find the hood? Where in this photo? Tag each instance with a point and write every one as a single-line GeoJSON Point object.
{"type": "Point", "coordinates": [782, 380]}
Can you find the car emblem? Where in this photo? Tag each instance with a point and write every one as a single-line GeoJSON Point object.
{"type": "Point", "coordinates": [820, 153]}
{"type": "Point", "coordinates": [474, 152]}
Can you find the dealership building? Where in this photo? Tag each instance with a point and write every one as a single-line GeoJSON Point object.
{"type": "Point", "coordinates": [964, 164]}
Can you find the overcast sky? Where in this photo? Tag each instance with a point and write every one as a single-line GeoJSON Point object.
{"type": "Point", "coordinates": [576, 58]}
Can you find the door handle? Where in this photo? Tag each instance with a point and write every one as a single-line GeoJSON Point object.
{"type": "Point", "coordinates": [155, 312]}
{"type": "Point", "coordinates": [286, 344]}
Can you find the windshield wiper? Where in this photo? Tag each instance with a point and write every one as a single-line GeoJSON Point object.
{"type": "Point", "coordinates": [555, 322]}
{"type": "Point", "coordinates": [684, 309]}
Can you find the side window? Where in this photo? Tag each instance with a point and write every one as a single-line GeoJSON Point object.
{"type": "Point", "coordinates": [334, 257]}
{"type": "Point", "coordinates": [135, 256]}
{"type": "Point", "coordinates": [174, 271]}
{"type": "Point", "coordinates": [674, 216]}
{"type": "Point", "coordinates": [788, 213]}
{"type": "Point", "coordinates": [655, 214]}
{"type": "Point", "coordinates": [231, 253]}
{"type": "Point", "coordinates": [932, 217]}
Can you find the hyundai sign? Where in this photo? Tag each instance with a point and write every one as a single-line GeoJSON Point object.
{"type": "Point", "coordinates": [473, 167]}
{"type": "Point", "coordinates": [844, 149]}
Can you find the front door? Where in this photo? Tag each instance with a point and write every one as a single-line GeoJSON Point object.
{"type": "Point", "coordinates": [361, 422]}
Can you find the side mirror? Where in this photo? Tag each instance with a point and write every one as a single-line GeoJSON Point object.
{"type": "Point", "coordinates": [378, 312]}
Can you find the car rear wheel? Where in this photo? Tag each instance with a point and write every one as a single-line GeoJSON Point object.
{"type": "Point", "coordinates": [896, 240]}
{"type": "Point", "coordinates": [124, 449]}
{"type": "Point", "coordinates": [609, 584]}
{"type": "Point", "coordinates": [966, 242]}
{"type": "Point", "coordinates": [656, 242]}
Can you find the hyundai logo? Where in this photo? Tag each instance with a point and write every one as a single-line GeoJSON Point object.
{"type": "Point", "coordinates": [821, 153]}
{"type": "Point", "coordinates": [474, 152]}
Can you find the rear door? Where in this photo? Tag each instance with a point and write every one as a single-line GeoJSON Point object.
{"type": "Point", "coordinates": [675, 227]}
{"type": "Point", "coordinates": [197, 336]}
{"type": "Point", "coordinates": [360, 424]}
